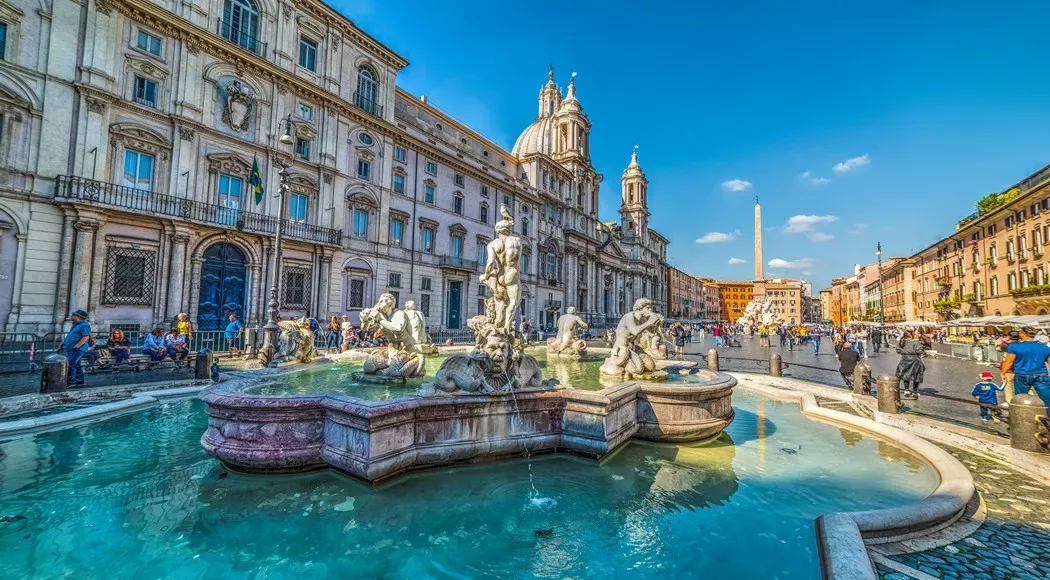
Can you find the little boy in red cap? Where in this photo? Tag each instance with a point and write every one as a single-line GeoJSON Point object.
{"type": "Point", "coordinates": [985, 393]}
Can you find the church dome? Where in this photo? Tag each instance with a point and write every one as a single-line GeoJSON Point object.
{"type": "Point", "coordinates": [536, 138]}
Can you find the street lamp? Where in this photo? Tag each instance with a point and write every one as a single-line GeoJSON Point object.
{"type": "Point", "coordinates": [882, 307]}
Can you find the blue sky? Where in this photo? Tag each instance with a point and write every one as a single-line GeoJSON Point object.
{"type": "Point", "coordinates": [935, 107]}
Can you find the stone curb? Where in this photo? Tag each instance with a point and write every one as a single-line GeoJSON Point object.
{"type": "Point", "coordinates": [841, 537]}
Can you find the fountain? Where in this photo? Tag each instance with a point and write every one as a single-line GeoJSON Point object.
{"type": "Point", "coordinates": [566, 343]}
{"type": "Point", "coordinates": [489, 403]}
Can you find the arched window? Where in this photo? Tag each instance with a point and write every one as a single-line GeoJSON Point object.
{"type": "Point", "coordinates": [240, 24]}
{"type": "Point", "coordinates": [367, 90]}
{"type": "Point", "coordinates": [995, 286]}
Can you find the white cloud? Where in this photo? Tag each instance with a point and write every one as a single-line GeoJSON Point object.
{"type": "Point", "coordinates": [812, 179]}
{"type": "Point", "coordinates": [858, 228]}
{"type": "Point", "coordinates": [716, 237]}
{"type": "Point", "coordinates": [807, 273]}
{"type": "Point", "coordinates": [852, 163]}
{"type": "Point", "coordinates": [799, 224]}
{"type": "Point", "coordinates": [799, 264]}
{"type": "Point", "coordinates": [819, 237]}
{"type": "Point", "coordinates": [736, 185]}
{"type": "Point", "coordinates": [734, 261]}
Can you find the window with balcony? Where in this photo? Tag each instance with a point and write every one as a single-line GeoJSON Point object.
{"type": "Point", "coordinates": [428, 240]}
{"type": "Point", "coordinates": [308, 54]}
{"type": "Point", "coordinates": [298, 207]}
{"type": "Point", "coordinates": [428, 193]}
{"type": "Point", "coordinates": [397, 233]}
{"type": "Point", "coordinates": [431, 167]}
{"type": "Point", "coordinates": [138, 170]}
{"type": "Point", "coordinates": [457, 204]}
{"type": "Point", "coordinates": [240, 24]}
{"type": "Point", "coordinates": [231, 190]}
{"type": "Point", "coordinates": [399, 154]}
{"type": "Point", "coordinates": [367, 95]}
{"type": "Point", "coordinates": [483, 213]}
{"type": "Point", "coordinates": [457, 247]}
{"type": "Point", "coordinates": [302, 148]}
{"type": "Point", "coordinates": [399, 183]}
{"type": "Point", "coordinates": [364, 169]}
{"type": "Point", "coordinates": [148, 42]}
{"type": "Point", "coordinates": [360, 224]}
{"type": "Point", "coordinates": [395, 280]}
{"type": "Point", "coordinates": [145, 91]}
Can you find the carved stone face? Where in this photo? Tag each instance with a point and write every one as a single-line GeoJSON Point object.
{"type": "Point", "coordinates": [386, 304]}
{"type": "Point", "coordinates": [497, 347]}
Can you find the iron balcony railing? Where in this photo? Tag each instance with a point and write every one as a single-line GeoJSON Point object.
{"type": "Point", "coordinates": [240, 37]}
{"type": "Point", "coordinates": [458, 263]}
{"type": "Point", "coordinates": [144, 201]}
{"type": "Point", "coordinates": [368, 104]}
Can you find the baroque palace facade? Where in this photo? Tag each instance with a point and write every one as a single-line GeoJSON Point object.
{"type": "Point", "coordinates": [129, 131]}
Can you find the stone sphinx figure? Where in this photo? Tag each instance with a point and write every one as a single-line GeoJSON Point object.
{"type": "Point", "coordinates": [566, 343]}
{"type": "Point", "coordinates": [496, 365]}
{"type": "Point", "coordinates": [402, 358]}
{"type": "Point", "coordinates": [628, 359]}
{"type": "Point", "coordinates": [294, 340]}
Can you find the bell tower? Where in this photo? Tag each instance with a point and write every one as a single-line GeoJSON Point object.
{"type": "Point", "coordinates": [634, 208]}
{"type": "Point", "coordinates": [572, 129]}
{"type": "Point", "coordinates": [550, 96]}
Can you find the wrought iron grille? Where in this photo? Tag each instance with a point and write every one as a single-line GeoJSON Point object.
{"type": "Point", "coordinates": [296, 287]}
{"type": "Point", "coordinates": [130, 275]}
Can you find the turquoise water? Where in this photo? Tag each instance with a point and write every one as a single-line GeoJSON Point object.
{"type": "Point", "coordinates": [338, 378]}
{"type": "Point", "coordinates": [137, 497]}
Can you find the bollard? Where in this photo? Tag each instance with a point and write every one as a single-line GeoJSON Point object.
{"type": "Point", "coordinates": [202, 368]}
{"type": "Point", "coordinates": [776, 365]}
{"type": "Point", "coordinates": [861, 378]}
{"type": "Point", "coordinates": [55, 378]}
{"type": "Point", "coordinates": [1028, 426]}
{"type": "Point", "coordinates": [712, 360]}
{"type": "Point", "coordinates": [889, 394]}
{"type": "Point", "coordinates": [249, 340]}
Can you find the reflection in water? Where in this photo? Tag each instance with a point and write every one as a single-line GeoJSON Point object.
{"type": "Point", "coordinates": [850, 437]}
{"type": "Point", "coordinates": [137, 497]}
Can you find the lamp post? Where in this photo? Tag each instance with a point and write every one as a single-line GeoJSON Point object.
{"type": "Point", "coordinates": [273, 308]}
{"type": "Point", "coordinates": [882, 308]}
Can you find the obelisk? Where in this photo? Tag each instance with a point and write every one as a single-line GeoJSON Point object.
{"type": "Point", "coordinates": [760, 280]}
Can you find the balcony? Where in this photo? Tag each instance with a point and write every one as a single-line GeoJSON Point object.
{"type": "Point", "coordinates": [455, 263]}
{"type": "Point", "coordinates": [368, 105]}
{"type": "Point", "coordinates": [552, 305]}
{"type": "Point", "coordinates": [236, 35]}
{"type": "Point", "coordinates": [142, 201]}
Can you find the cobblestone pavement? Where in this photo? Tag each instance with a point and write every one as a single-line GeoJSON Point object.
{"type": "Point", "coordinates": [1013, 542]}
{"type": "Point", "coordinates": [946, 376]}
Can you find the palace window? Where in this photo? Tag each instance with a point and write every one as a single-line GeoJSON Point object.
{"type": "Point", "coordinates": [366, 96]}
{"type": "Point", "coordinates": [424, 304]}
{"type": "Point", "coordinates": [397, 232]}
{"type": "Point", "coordinates": [399, 183]}
{"type": "Point", "coordinates": [431, 167]}
{"type": "Point", "coordinates": [360, 224]}
{"type": "Point", "coordinates": [302, 148]}
{"type": "Point", "coordinates": [483, 254]}
{"type": "Point", "coordinates": [356, 297]}
{"type": "Point", "coordinates": [524, 226]}
{"type": "Point", "coordinates": [129, 276]}
{"type": "Point", "coordinates": [394, 280]}
{"type": "Point", "coordinates": [308, 54]}
{"type": "Point", "coordinates": [428, 240]}
{"type": "Point", "coordinates": [143, 41]}
{"type": "Point", "coordinates": [484, 191]}
{"type": "Point", "coordinates": [364, 169]}
{"type": "Point", "coordinates": [145, 92]}
{"type": "Point", "coordinates": [296, 287]}
{"type": "Point", "coordinates": [304, 111]}
{"type": "Point", "coordinates": [457, 247]}
{"type": "Point", "coordinates": [399, 154]}
{"type": "Point", "coordinates": [426, 284]}
{"type": "Point", "coordinates": [428, 193]}
{"type": "Point", "coordinates": [138, 170]}
{"type": "Point", "coordinates": [457, 204]}
{"type": "Point", "coordinates": [484, 213]}
{"type": "Point", "coordinates": [298, 205]}
{"type": "Point", "coordinates": [525, 263]}
{"type": "Point", "coordinates": [459, 180]}
{"type": "Point", "coordinates": [230, 190]}
{"type": "Point", "coordinates": [240, 24]}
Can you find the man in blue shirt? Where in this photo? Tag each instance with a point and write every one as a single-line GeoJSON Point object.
{"type": "Point", "coordinates": [1027, 361]}
{"type": "Point", "coordinates": [154, 345]}
{"type": "Point", "coordinates": [75, 344]}
{"type": "Point", "coordinates": [233, 332]}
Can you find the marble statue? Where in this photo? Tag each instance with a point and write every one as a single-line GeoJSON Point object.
{"type": "Point", "coordinates": [566, 343]}
{"type": "Point", "coordinates": [502, 272]}
{"type": "Point", "coordinates": [497, 365]}
{"type": "Point", "coordinates": [294, 340]}
{"type": "Point", "coordinates": [628, 359]}
{"type": "Point", "coordinates": [418, 324]}
{"type": "Point", "coordinates": [761, 313]}
{"type": "Point", "coordinates": [402, 358]}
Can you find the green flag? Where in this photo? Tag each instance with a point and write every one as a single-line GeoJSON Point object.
{"type": "Point", "coordinates": [256, 182]}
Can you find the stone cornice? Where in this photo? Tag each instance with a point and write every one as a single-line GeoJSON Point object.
{"type": "Point", "coordinates": [330, 16]}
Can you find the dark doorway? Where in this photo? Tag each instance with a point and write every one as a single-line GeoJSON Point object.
{"type": "Point", "coordinates": [222, 286]}
{"type": "Point", "coordinates": [455, 290]}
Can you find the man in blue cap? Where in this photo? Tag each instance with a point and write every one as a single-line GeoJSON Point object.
{"type": "Point", "coordinates": [76, 344]}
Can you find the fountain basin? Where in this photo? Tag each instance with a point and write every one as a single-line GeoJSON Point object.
{"type": "Point", "coordinates": [378, 440]}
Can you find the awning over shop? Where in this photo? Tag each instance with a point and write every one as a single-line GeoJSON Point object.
{"type": "Point", "coordinates": [1036, 320]}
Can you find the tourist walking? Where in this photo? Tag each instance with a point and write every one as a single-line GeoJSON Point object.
{"type": "Point", "coordinates": [75, 344]}
{"type": "Point", "coordinates": [910, 369]}
{"type": "Point", "coordinates": [816, 335]}
{"type": "Point", "coordinates": [876, 341]}
{"type": "Point", "coordinates": [1026, 359]}
{"type": "Point", "coordinates": [334, 330]}
{"type": "Point", "coordinates": [847, 362]}
{"type": "Point", "coordinates": [233, 332]}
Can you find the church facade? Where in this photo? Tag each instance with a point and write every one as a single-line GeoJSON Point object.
{"type": "Point", "coordinates": [142, 143]}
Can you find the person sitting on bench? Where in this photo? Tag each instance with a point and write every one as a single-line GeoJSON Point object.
{"type": "Point", "coordinates": [175, 346]}
{"type": "Point", "coordinates": [154, 345]}
{"type": "Point", "coordinates": [119, 346]}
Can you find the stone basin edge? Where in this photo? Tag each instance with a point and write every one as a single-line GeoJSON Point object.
{"type": "Point", "coordinates": [843, 537]}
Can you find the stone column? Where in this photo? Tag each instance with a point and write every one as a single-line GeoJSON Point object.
{"type": "Point", "coordinates": [195, 276]}
{"type": "Point", "coordinates": [252, 303]}
{"type": "Point", "coordinates": [176, 273]}
{"type": "Point", "coordinates": [98, 278]}
{"type": "Point", "coordinates": [80, 291]}
{"type": "Point", "coordinates": [65, 265]}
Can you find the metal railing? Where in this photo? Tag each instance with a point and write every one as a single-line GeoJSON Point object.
{"type": "Point", "coordinates": [145, 201]}
{"type": "Point", "coordinates": [240, 37]}
{"type": "Point", "coordinates": [458, 263]}
{"type": "Point", "coordinates": [457, 335]}
{"type": "Point", "coordinates": [367, 104]}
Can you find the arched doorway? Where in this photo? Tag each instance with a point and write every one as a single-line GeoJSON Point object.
{"type": "Point", "coordinates": [357, 288]}
{"type": "Point", "coordinates": [8, 263]}
{"type": "Point", "coordinates": [222, 286]}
